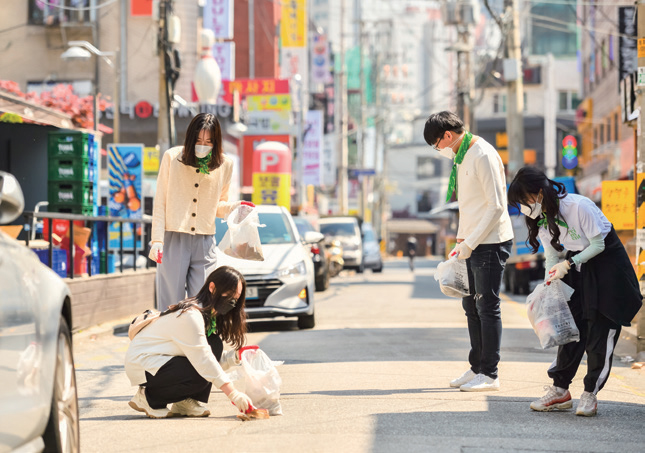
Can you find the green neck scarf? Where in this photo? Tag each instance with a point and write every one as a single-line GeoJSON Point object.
{"type": "Point", "coordinates": [203, 163]}
{"type": "Point", "coordinates": [544, 223]}
{"type": "Point", "coordinates": [212, 328]}
{"type": "Point", "coordinates": [459, 158]}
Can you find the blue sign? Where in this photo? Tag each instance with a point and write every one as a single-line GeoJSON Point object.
{"type": "Point", "coordinates": [356, 172]}
{"type": "Point", "coordinates": [125, 173]}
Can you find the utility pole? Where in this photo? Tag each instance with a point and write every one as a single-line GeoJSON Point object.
{"type": "Point", "coordinates": [163, 123]}
{"type": "Point", "coordinates": [640, 168]}
{"type": "Point", "coordinates": [360, 138]}
{"type": "Point", "coordinates": [513, 76]}
{"type": "Point", "coordinates": [342, 111]}
{"type": "Point", "coordinates": [463, 76]}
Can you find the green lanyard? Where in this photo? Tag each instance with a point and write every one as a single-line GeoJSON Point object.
{"type": "Point", "coordinates": [459, 158]}
{"type": "Point", "coordinates": [543, 223]}
{"type": "Point", "coordinates": [212, 328]}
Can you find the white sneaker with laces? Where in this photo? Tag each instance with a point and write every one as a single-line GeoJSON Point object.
{"type": "Point", "coordinates": [588, 405]}
{"type": "Point", "coordinates": [140, 403]}
{"type": "Point", "coordinates": [190, 408]}
{"type": "Point", "coordinates": [555, 398]}
{"type": "Point", "coordinates": [481, 383]}
{"type": "Point", "coordinates": [464, 378]}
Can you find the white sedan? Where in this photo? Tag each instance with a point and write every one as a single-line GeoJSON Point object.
{"type": "Point", "coordinates": [283, 284]}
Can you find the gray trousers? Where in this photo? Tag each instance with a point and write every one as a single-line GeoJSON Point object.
{"type": "Point", "coordinates": [187, 261]}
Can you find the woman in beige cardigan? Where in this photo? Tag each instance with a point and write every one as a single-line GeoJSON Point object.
{"type": "Point", "coordinates": [192, 189]}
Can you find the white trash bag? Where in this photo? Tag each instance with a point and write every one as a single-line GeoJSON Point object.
{"type": "Point", "coordinates": [242, 239]}
{"type": "Point", "coordinates": [550, 315]}
{"type": "Point", "coordinates": [452, 276]}
{"type": "Point", "coordinates": [259, 379]}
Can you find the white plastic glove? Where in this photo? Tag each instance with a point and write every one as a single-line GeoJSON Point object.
{"type": "Point", "coordinates": [156, 252]}
{"type": "Point", "coordinates": [558, 271]}
{"type": "Point", "coordinates": [241, 400]}
{"type": "Point", "coordinates": [462, 251]}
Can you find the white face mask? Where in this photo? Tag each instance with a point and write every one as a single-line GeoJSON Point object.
{"type": "Point", "coordinates": [202, 151]}
{"type": "Point", "coordinates": [533, 210]}
{"type": "Point", "coordinates": [447, 151]}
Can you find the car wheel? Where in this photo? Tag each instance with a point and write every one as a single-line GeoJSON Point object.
{"type": "Point", "coordinates": [307, 321]}
{"type": "Point", "coordinates": [322, 282]}
{"type": "Point", "coordinates": [360, 269]}
{"type": "Point", "coordinates": [379, 268]}
{"type": "Point", "coordinates": [62, 432]}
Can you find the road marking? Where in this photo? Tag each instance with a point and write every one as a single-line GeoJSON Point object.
{"type": "Point", "coordinates": [516, 305]}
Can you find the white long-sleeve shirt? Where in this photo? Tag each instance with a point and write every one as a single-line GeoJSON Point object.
{"type": "Point", "coordinates": [481, 192]}
{"type": "Point", "coordinates": [171, 336]}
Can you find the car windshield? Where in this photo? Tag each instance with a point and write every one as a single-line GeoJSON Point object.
{"type": "Point", "coordinates": [303, 226]}
{"type": "Point", "coordinates": [276, 231]}
{"type": "Point", "coordinates": [338, 229]}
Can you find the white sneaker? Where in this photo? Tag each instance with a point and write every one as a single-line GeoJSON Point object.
{"type": "Point", "coordinates": [190, 408]}
{"type": "Point", "coordinates": [555, 398]}
{"type": "Point", "coordinates": [463, 379]}
{"type": "Point", "coordinates": [480, 383]}
{"type": "Point", "coordinates": [588, 405]}
{"type": "Point", "coordinates": [140, 403]}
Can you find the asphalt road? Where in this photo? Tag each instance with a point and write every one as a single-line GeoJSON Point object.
{"type": "Point", "coordinates": [372, 377]}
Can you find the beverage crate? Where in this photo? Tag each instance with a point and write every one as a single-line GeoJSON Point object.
{"type": "Point", "coordinates": [80, 209]}
{"type": "Point", "coordinates": [69, 144]}
{"type": "Point", "coordinates": [60, 260]}
{"type": "Point", "coordinates": [70, 193]}
{"type": "Point", "coordinates": [70, 169]}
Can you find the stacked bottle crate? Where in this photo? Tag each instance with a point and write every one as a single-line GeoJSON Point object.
{"type": "Point", "coordinates": [72, 172]}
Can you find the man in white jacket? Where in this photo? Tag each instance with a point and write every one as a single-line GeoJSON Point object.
{"type": "Point", "coordinates": [484, 239]}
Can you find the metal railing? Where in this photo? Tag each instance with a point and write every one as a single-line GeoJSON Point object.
{"type": "Point", "coordinates": [91, 221]}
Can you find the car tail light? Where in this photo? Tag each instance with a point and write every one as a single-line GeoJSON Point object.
{"type": "Point", "coordinates": [526, 265]}
{"type": "Point", "coordinates": [315, 249]}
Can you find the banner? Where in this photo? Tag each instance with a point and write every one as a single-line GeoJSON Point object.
{"type": "Point", "coordinates": [328, 160]}
{"type": "Point", "coordinates": [320, 63]}
{"type": "Point", "coordinates": [293, 31]}
{"type": "Point", "coordinates": [295, 60]}
{"type": "Point", "coordinates": [125, 172]}
{"type": "Point", "coordinates": [312, 145]}
{"type": "Point", "coordinates": [150, 159]}
{"type": "Point", "coordinates": [141, 8]}
{"type": "Point", "coordinates": [253, 86]}
{"type": "Point", "coordinates": [218, 16]}
{"type": "Point", "coordinates": [224, 54]}
{"type": "Point", "coordinates": [274, 103]}
{"type": "Point", "coordinates": [627, 47]}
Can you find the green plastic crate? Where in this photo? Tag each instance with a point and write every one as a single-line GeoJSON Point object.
{"type": "Point", "coordinates": [69, 169]}
{"type": "Point", "coordinates": [68, 144]}
{"type": "Point", "coordinates": [69, 193]}
{"type": "Point", "coordinates": [83, 209]}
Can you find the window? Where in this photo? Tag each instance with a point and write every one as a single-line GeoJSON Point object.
{"type": "Point", "coordinates": [544, 39]}
{"type": "Point", "coordinates": [568, 100]}
{"type": "Point", "coordinates": [563, 100]}
{"type": "Point", "coordinates": [526, 102]}
{"type": "Point", "coordinates": [496, 107]}
{"type": "Point", "coordinates": [424, 201]}
{"type": "Point", "coordinates": [602, 135]}
{"type": "Point", "coordinates": [48, 13]}
{"type": "Point", "coordinates": [608, 126]}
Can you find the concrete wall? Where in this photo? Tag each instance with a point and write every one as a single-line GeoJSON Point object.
{"type": "Point", "coordinates": [105, 298]}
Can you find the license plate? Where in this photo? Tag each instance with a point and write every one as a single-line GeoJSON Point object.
{"type": "Point", "coordinates": [251, 292]}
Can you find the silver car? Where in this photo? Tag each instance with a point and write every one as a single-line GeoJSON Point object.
{"type": "Point", "coordinates": [38, 401]}
{"type": "Point", "coordinates": [283, 284]}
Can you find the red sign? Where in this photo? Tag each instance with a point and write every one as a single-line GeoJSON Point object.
{"type": "Point", "coordinates": [253, 86]}
{"type": "Point", "coordinates": [249, 144]}
{"type": "Point", "coordinates": [141, 7]}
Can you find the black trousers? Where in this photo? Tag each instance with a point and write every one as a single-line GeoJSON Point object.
{"type": "Point", "coordinates": [178, 380]}
{"type": "Point", "coordinates": [598, 337]}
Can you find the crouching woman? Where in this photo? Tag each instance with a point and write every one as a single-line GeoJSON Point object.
{"type": "Point", "coordinates": [176, 359]}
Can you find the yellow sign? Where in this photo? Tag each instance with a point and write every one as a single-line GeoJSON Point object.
{"type": "Point", "coordinates": [292, 26]}
{"type": "Point", "coordinates": [269, 103]}
{"type": "Point", "coordinates": [641, 48]}
{"type": "Point", "coordinates": [501, 140]}
{"type": "Point", "coordinates": [530, 156]}
{"type": "Point", "coordinates": [272, 189]}
{"type": "Point", "coordinates": [150, 160]}
{"type": "Point", "coordinates": [618, 201]}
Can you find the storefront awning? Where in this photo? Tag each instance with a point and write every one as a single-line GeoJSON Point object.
{"type": "Point", "coordinates": [34, 112]}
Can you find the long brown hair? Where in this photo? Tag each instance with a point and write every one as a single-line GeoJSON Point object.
{"type": "Point", "coordinates": [230, 327]}
{"type": "Point", "coordinates": [208, 122]}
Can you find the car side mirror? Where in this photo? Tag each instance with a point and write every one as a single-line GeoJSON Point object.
{"type": "Point", "coordinates": [12, 201]}
{"type": "Point", "coordinates": [313, 237]}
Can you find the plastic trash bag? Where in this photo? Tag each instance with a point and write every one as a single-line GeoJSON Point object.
{"type": "Point", "coordinates": [452, 276]}
{"type": "Point", "coordinates": [242, 239]}
{"type": "Point", "coordinates": [259, 379]}
{"type": "Point", "coordinates": [550, 315]}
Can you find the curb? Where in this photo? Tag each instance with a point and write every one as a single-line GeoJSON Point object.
{"type": "Point", "coordinates": [115, 327]}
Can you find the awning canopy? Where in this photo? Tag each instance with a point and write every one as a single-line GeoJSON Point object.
{"type": "Point", "coordinates": [411, 226]}
{"type": "Point", "coordinates": [34, 112]}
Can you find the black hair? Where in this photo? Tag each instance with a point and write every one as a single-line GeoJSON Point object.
{"type": "Point", "coordinates": [209, 122]}
{"type": "Point", "coordinates": [438, 124]}
{"type": "Point", "coordinates": [528, 182]}
{"type": "Point", "coordinates": [231, 327]}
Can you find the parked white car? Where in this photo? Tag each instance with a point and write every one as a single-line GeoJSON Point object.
{"type": "Point", "coordinates": [347, 231]}
{"type": "Point", "coordinates": [38, 401]}
{"type": "Point", "coordinates": [283, 284]}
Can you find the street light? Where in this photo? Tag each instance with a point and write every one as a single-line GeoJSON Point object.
{"type": "Point", "coordinates": [83, 50]}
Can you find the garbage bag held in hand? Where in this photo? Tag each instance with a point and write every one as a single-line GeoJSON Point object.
{"type": "Point", "coordinates": [550, 314]}
{"type": "Point", "coordinates": [259, 379]}
{"type": "Point", "coordinates": [242, 239]}
{"type": "Point", "coordinates": [452, 276]}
